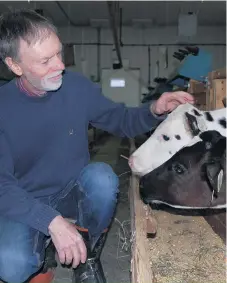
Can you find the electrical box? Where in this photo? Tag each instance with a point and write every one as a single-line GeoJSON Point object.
{"type": "Point", "coordinates": [187, 24]}
{"type": "Point", "coordinates": [122, 86]}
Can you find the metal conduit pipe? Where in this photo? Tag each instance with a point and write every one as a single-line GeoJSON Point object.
{"type": "Point", "coordinates": [98, 54]}
{"type": "Point", "coordinates": [151, 44]}
{"type": "Point", "coordinates": [114, 30]}
{"type": "Point", "coordinates": [65, 14]}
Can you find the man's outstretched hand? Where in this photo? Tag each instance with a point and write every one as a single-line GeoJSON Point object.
{"type": "Point", "coordinates": [68, 242]}
{"type": "Point", "coordinates": [170, 101]}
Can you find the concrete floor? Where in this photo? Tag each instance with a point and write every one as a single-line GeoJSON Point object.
{"type": "Point", "coordinates": [116, 253]}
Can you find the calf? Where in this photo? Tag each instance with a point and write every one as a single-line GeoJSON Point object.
{"type": "Point", "coordinates": [195, 177]}
{"type": "Point", "coordinates": [181, 128]}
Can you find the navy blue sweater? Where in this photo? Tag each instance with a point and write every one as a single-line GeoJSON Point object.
{"type": "Point", "coordinates": [44, 142]}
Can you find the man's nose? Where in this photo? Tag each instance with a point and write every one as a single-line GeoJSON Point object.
{"type": "Point", "coordinates": [59, 65]}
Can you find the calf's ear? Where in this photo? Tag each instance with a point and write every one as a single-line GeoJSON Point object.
{"type": "Point", "coordinates": [192, 123]}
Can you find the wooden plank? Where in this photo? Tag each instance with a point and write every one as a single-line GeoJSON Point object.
{"type": "Point", "coordinates": [198, 90]}
{"type": "Point", "coordinates": [214, 78]}
{"type": "Point", "coordinates": [216, 96]}
{"type": "Point", "coordinates": [219, 92]}
{"type": "Point", "coordinates": [140, 262]}
{"type": "Point", "coordinates": [218, 224]}
{"type": "Point", "coordinates": [142, 222]}
{"type": "Point", "coordinates": [200, 100]}
{"type": "Point", "coordinates": [196, 87]}
{"type": "Point", "coordinates": [217, 74]}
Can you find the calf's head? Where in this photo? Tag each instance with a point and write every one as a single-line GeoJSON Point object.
{"type": "Point", "coordinates": [181, 128]}
{"type": "Point", "coordinates": [195, 177]}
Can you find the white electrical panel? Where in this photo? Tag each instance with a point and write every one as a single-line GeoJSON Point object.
{"type": "Point", "coordinates": [117, 82]}
{"type": "Point", "coordinates": [187, 24]}
{"type": "Point", "coordinates": [122, 86]}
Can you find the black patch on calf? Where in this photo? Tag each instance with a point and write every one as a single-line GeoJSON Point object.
{"type": "Point", "coordinates": [177, 137]}
{"type": "Point", "coordinates": [222, 122]}
{"type": "Point", "coordinates": [209, 117]}
{"type": "Point", "coordinates": [196, 112]}
{"type": "Point", "coordinates": [211, 136]}
{"type": "Point", "coordinates": [192, 122]}
{"type": "Point", "coordinates": [166, 138]}
{"type": "Point", "coordinates": [190, 177]}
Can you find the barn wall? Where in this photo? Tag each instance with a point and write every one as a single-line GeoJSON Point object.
{"type": "Point", "coordinates": [138, 55]}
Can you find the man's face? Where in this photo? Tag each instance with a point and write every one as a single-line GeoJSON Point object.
{"type": "Point", "coordinates": [41, 63]}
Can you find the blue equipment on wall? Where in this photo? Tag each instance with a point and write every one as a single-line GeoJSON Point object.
{"type": "Point", "coordinates": [195, 64]}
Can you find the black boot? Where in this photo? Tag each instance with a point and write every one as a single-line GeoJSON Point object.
{"type": "Point", "coordinates": [91, 271]}
{"type": "Point", "coordinates": [49, 261]}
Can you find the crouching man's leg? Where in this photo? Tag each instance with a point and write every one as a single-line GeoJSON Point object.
{"type": "Point", "coordinates": [95, 196]}
{"type": "Point", "coordinates": [22, 252]}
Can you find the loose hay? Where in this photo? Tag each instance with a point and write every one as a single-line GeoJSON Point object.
{"type": "Point", "coordinates": [186, 250]}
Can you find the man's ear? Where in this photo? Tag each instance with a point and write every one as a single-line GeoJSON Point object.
{"type": "Point", "coordinates": [13, 66]}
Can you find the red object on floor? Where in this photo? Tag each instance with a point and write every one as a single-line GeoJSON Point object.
{"type": "Point", "coordinates": [43, 277]}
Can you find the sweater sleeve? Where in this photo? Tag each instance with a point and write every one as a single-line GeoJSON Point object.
{"type": "Point", "coordinates": [15, 203]}
{"type": "Point", "coordinates": [118, 119]}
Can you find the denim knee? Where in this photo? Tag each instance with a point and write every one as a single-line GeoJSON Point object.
{"type": "Point", "coordinates": [16, 267]}
{"type": "Point", "coordinates": [99, 180]}
{"type": "Point", "coordinates": [99, 186]}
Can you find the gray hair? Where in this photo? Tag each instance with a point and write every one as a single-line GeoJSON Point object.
{"type": "Point", "coordinates": [22, 24]}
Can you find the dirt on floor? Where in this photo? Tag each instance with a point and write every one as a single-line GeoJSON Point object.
{"type": "Point", "coordinates": [186, 250]}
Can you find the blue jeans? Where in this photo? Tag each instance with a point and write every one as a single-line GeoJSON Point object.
{"type": "Point", "coordinates": [91, 201]}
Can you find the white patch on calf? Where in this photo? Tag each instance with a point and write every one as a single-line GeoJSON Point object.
{"type": "Point", "coordinates": [220, 179]}
{"type": "Point", "coordinates": [171, 136]}
{"type": "Point", "coordinates": [205, 125]}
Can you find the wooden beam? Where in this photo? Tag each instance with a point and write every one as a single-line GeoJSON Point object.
{"type": "Point", "coordinates": [142, 223]}
{"type": "Point", "coordinates": [140, 263]}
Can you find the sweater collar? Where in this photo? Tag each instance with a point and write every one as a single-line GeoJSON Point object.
{"type": "Point", "coordinates": [23, 88]}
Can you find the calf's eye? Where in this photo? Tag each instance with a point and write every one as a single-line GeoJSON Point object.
{"type": "Point", "coordinates": [178, 168]}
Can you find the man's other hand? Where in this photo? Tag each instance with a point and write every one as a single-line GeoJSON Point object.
{"type": "Point", "coordinates": [68, 242]}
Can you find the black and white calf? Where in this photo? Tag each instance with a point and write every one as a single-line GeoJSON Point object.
{"type": "Point", "coordinates": [181, 128]}
{"type": "Point", "coordinates": [194, 178]}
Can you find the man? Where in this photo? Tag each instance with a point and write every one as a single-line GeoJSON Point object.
{"type": "Point", "coordinates": [45, 174]}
